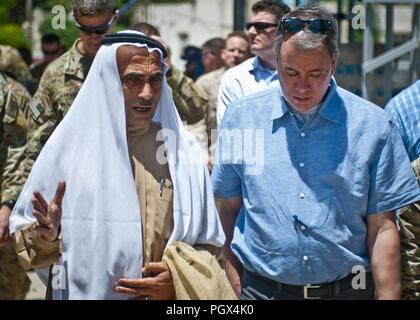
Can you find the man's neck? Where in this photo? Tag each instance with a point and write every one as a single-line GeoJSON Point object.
{"type": "Point", "coordinates": [268, 60]}
{"type": "Point", "coordinates": [82, 49]}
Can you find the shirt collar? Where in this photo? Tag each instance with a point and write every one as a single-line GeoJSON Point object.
{"type": "Point", "coordinates": [255, 64]}
{"type": "Point", "coordinates": [329, 108]}
{"type": "Point", "coordinates": [279, 107]}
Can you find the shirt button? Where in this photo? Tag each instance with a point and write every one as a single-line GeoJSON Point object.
{"type": "Point", "coordinates": [303, 228]}
{"type": "Point", "coordinates": [301, 164]}
{"type": "Point", "coordinates": [303, 134]}
{"type": "Point", "coordinates": [305, 258]}
{"type": "Point", "coordinates": [302, 195]}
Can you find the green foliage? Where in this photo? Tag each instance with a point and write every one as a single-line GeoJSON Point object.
{"type": "Point", "coordinates": [12, 35]}
{"type": "Point", "coordinates": [5, 8]}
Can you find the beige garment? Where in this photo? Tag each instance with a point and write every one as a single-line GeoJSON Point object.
{"type": "Point", "coordinates": [210, 83]}
{"type": "Point", "coordinates": [196, 274]}
{"type": "Point", "coordinates": [155, 206]}
{"type": "Point", "coordinates": [34, 252]}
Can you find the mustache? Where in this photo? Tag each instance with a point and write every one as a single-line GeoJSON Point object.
{"type": "Point", "coordinates": [145, 102]}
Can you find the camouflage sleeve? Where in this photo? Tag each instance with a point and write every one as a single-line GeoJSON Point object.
{"type": "Point", "coordinates": [13, 64]}
{"type": "Point", "coordinates": [33, 251]}
{"type": "Point", "coordinates": [41, 122]}
{"type": "Point", "coordinates": [14, 124]}
{"type": "Point", "coordinates": [190, 100]}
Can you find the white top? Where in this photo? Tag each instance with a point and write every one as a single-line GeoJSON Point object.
{"type": "Point", "coordinates": [245, 79]}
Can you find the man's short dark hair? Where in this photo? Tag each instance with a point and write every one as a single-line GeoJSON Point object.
{"type": "Point", "coordinates": [146, 28]}
{"type": "Point", "coordinates": [50, 38]}
{"type": "Point", "coordinates": [238, 34]}
{"type": "Point", "coordinates": [92, 7]}
{"type": "Point", "coordinates": [275, 7]}
{"type": "Point", "coordinates": [214, 45]}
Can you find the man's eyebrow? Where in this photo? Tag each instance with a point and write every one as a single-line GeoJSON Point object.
{"type": "Point", "coordinates": [134, 74]}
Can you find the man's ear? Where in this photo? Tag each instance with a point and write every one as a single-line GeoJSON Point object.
{"type": "Point", "coordinates": [334, 62]}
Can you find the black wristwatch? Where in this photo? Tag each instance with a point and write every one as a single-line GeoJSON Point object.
{"type": "Point", "coordinates": [10, 204]}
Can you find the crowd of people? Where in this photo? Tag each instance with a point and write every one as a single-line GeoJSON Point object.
{"type": "Point", "coordinates": [260, 178]}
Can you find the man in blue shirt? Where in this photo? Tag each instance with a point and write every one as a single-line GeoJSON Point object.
{"type": "Point", "coordinates": [310, 177]}
{"type": "Point", "coordinates": [257, 73]}
{"type": "Point", "coordinates": [405, 109]}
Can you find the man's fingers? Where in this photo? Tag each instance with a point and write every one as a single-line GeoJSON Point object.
{"type": "Point", "coordinates": [134, 283]}
{"type": "Point", "coordinates": [59, 193]}
{"type": "Point", "coordinates": [137, 292]}
{"type": "Point", "coordinates": [154, 268]}
{"type": "Point", "coordinates": [43, 205]}
{"type": "Point", "coordinates": [38, 206]}
{"type": "Point", "coordinates": [43, 221]}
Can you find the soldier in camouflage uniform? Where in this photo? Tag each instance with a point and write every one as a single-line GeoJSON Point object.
{"type": "Point", "coordinates": [57, 89]}
{"type": "Point", "coordinates": [409, 224]}
{"type": "Point", "coordinates": [14, 100]}
{"type": "Point", "coordinates": [12, 63]}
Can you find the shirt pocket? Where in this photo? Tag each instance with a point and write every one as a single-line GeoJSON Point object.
{"type": "Point", "coordinates": [164, 209]}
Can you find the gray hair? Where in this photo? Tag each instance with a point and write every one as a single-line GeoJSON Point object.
{"type": "Point", "coordinates": [92, 7]}
{"type": "Point", "coordinates": [306, 40]}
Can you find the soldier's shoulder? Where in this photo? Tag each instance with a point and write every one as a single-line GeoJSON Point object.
{"type": "Point", "coordinates": [16, 88]}
{"type": "Point", "coordinates": [59, 63]}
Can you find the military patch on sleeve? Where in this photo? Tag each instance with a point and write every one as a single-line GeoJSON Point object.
{"type": "Point", "coordinates": [36, 108]}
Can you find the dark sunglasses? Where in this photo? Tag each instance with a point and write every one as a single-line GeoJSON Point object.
{"type": "Point", "coordinates": [98, 30]}
{"type": "Point", "coordinates": [259, 26]}
{"type": "Point", "coordinates": [294, 25]}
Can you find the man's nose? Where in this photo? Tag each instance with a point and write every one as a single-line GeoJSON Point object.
{"type": "Point", "coordinates": [302, 84]}
{"type": "Point", "coordinates": [252, 31]}
{"type": "Point", "coordinates": [146, 92]}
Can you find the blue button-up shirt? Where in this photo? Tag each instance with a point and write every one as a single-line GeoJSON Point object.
{"type": "Point", "coordinates": [245, 79]}
{"type": "Point", "coordinates": [405, 109]}
{"type": "Point", "coordinates": [307, 189]}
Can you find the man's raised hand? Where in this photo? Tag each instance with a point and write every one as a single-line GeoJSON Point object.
{"type": "Point", "coordinates": [47, 214]}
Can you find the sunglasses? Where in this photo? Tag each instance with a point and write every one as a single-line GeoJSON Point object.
{"type": "Point", "coordinates": [259, 26]}
{"type": "Point", "coordinates": [98, 30]}
{"type": "Point", "coordinates": [294, 25]}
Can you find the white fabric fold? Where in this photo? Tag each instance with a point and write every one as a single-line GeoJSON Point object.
{"type": "Point", "coordinates": [101, 224]}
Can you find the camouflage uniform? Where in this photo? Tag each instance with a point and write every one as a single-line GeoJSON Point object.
{"type": "Point", "coordinates": [58, 87]}
{"type": "Point", "coordinates": [210, 83]}
{"type": "Point", "coordinates": [409, 224]}
{"type": "Point", "coordinates": [14, 100]}
{"type": "Point", "coordinates": [190, 100]}
{"type": "Point", "coordinates": [11, 63]}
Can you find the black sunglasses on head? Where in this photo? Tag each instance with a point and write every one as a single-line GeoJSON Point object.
{"type": "Point", "coordinates": [294, 25]}
{"type": "Point", "coordinates": [259, 26]}
{"type": "Point", "coordinates": [98, 30]}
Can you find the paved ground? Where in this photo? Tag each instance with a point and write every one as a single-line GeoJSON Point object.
{"type": "Point", "coordinates": [37, 290]}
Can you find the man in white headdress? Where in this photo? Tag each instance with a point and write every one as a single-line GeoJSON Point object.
{"type": "Point", "coordinates": [92, 232]}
